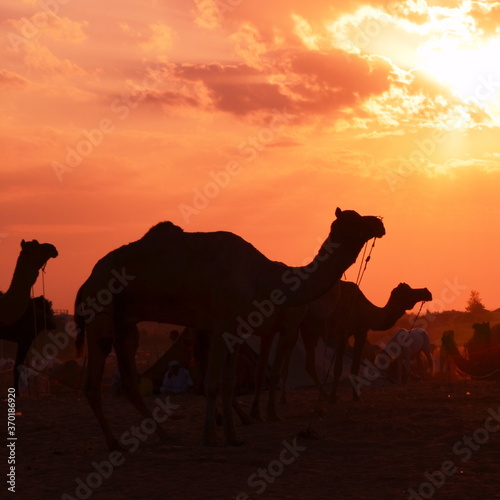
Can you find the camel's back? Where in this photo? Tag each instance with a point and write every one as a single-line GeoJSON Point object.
{"type": "Point", "coordinates": [168, 258]}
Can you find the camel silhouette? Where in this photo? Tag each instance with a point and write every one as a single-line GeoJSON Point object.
{"type": "Point", "coordinates": [32, 258]}
{"type": "Point", "coordinates": [342, 312]}
{"type": "Point", "coordinates": [403, 348]}
{"type": "Point", "coordinates": [356, 315]}
{"type": "Point", "coordinates": [483, 361]}
{"type": "Point", "coordinates": [37, 317]}
{"type": "Point", "coordinates": [215, 281]}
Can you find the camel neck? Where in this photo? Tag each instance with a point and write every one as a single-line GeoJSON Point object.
{"type": "Point", "coordinates": [16, 298]}
{"type": "Point", "coordinates": [385, 317]}
{"type": "Point", "coordinates": [306, 283]}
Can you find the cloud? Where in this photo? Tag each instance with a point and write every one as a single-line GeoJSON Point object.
{"type": "Point", "coordinates": [305, 83]}
{"type": "Point", "coordinates": [50, 26]}
{"type": "Point", "coordinates": [41, 59]}
{"type": "Point", "coordinates": [160, 40]}
{"type": "Point", "coordinates": [11, 80]}
{"type": "Point", "coordinates": [486, 16]}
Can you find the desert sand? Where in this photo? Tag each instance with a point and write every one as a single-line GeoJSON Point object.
{"type": "Point", "coordinates": [437, 439]}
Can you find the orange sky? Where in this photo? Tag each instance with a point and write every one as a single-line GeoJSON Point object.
{"type": "Point", "coordinates": [117, 115]}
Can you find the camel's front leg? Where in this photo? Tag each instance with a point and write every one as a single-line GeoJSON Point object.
{"type": "Point", "coordinates": [310, 343]}
{"type": "Point", "coordinates": [356, 361]}
{"type": "Point", "coordinates": [338, 368]}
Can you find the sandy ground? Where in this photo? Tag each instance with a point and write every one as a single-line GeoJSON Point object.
{"type": "Point", "coordinates": [396, 439]}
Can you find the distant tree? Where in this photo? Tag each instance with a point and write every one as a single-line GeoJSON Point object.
{"type": "Point", "coordinates": [475, 304]}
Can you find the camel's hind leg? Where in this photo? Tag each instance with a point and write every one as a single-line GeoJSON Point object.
{"type": "Point", "coordinates": [98, 350]}
{"type": "Point", "coordinates": [265, 348]}
{"type": "Point", "coordinates": [126, 347]}
{"type": "Point", "coordinates": [220, 375]}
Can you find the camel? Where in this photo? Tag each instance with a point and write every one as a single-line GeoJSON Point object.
{"type": "Point", "coordinates": [342, 312]}
{"type": "Point", "coordinates": [482, 363]}
{"type": "Point", "coordinates": [404, 347]}
{"type": "Point", "coordinates": [214, 281]}
{"type": "Point", "coordinates": [33, 257]}
{"type": "Point", "coordinates": [37, 317]}
{"type": "Point", "coordinates": [481, 339]}
{"type": "Point", "coordinates": [356, 315]}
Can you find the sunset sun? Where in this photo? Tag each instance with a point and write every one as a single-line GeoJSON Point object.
{"type": "Point", "coordinates": [470, 72]}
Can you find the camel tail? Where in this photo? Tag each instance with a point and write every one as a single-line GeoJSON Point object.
{"type": "Point", "coordinates": [80, 325]}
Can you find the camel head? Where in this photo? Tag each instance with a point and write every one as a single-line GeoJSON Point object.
{"type": "Point", "coordinates": [38, 253]}
{"type": "Point", "coordinates": [481, 328]}
{"type": "Point", "coordinates": [481, 337]}
{"type": "Point", "coordinates": [350, 227]}
{"type": "Point", "coordinates": [408, 296]}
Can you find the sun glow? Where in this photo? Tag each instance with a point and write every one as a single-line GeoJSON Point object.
{"type": "Point", "coordinates": [472, 73]}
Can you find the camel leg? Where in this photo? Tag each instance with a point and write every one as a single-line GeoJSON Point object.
{"type": "Point", "coordinates": [219, 352]}
{"type": "Point", "coordinates": [265, 348]}
{"type": "Point", "coordinates": [284, 378]}
{"type": "Point", "coordinates": [98, 350]}
{"type": "Point", "coordinates": [285, 364]}
{"type": "Point", "coordinates": [126, 348]}
{"type": "Point", "coordinates": [242, 415]}
{"type": "Point", "coordinates": [427, 353]}
{"type": "Point", "coordinates": [282, 353]}
{"type": "Point", "coordinates": [356, 361]}
{"type": "Point", "coordinates": [310, 343]}
{"type": "Point", "coordinates": [228, 383]}
{"type": "Point", "coordinates": [337, 370]}
{"type": "Point", "coordinates": [22, 350]}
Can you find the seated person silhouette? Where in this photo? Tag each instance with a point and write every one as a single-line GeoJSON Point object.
{"type": "Point", "coordinates": [177, 380]}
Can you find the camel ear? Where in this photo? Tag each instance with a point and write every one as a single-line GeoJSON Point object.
{"type": "Point", "coordinates": [338, 212]}
{"type": "Point", "coordinates": [23, 243]}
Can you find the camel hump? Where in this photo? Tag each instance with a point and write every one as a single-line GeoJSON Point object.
{"type": "Point", "coordinates": [164, 229]}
